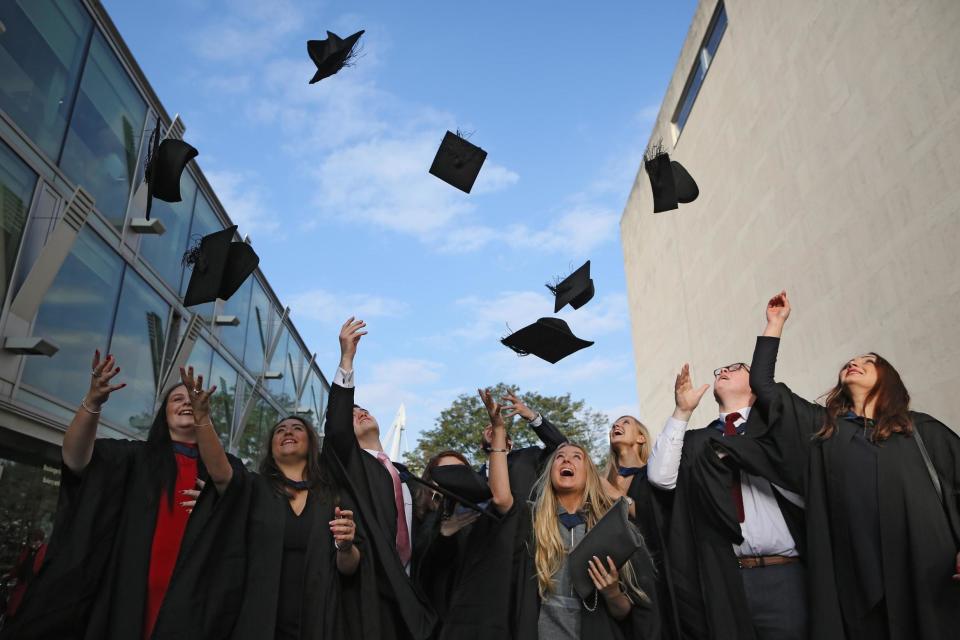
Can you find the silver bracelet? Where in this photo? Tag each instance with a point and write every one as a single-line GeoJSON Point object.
{"type": "Point", "coordinates": [88, 409]}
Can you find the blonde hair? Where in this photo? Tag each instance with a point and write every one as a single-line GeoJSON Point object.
{"type": "Point", "coordinates": [550, 552]}
{"type": "Point", "coordinates": [613, 462]}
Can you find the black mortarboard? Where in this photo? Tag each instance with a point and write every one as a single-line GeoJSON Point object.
{"type": "Point", "coordinates": [165, 164]}
{"type": "Point", "coordinates": [670, 182]}
{"type": "Point", "coordinates": [612, 536]}
{"type": "Point", "coordinates": [547, 338]}
{"type": "Point", "coordinates": [447, 493]}
{"type": "Point", "coordinates": [458, 162]}
{"type": "Point", "coordinates": [220, 266]}
{"type": "Point", "coordinates": [463, 481]}
{"type": "Point", "coordinates": [332, 54]}
{"type": "Point", "coordinates": [576, 289]}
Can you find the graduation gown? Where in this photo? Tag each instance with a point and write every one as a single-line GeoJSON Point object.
{"type": "Point", "coordinates": [469, 575]}
{"type": "Point", "coordinates": [643, 622]}
{"type": "Point", "coordinates": [919, 536]}
{"type": "Point", "coordinates": [322, 604]}
{"type": "Point", "coordinates": [710, 599]}
{"type": "Point", "coordinates": [393, 607]}
{"type": "Point", "coordinates": [94, 581]}
{"type": "Point", "coordinates": [652, 508]}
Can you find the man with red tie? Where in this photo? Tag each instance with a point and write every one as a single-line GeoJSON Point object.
{"type": "Point", "coordinates": [355, 454]}
{"type": "Point", "coordinates": [734, 538]}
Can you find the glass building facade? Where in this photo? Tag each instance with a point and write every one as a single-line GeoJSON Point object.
{"type": "Point", "coordinates": [76, 111]}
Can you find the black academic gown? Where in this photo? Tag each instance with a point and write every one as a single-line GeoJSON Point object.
{"type": "Point", "coordinates": [710, 599]}
{"type": "Point", "coordinates": [393, 607]}
{"type": "Point", "coordinates": [468, 576]}
{"type": "Point", "coordinates": [919, 535]}
{"type": "Point", "coordinates": [643, 622]}
{"type": "Point", "coordinates": [651, 509]}
{"type": "Point", "coordinates": [93, 584]}
{"type": "Point", "coordinates": [525, 465]}
{"type": "Point", "coordinates": [322, 602]}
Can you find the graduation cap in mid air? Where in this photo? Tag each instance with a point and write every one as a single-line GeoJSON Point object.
{"type": "Point", "coordinates": [575, 290]}
{"type": "Point", "coordinates": [547, 338]}
{"type": "Point", "coordinates": [166, 161]}
{"type": "Point", "coordinates": [458, 161]}
{"type": "Point", "coordinates": [220, 266]}
{"type": "Point", "coordinates": [612, 536]}
{"type": "Point", "coordinates": [332, 54]}
{"type": "Point", "coordinates": [670, 182]}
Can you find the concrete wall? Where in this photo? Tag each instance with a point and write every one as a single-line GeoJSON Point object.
{"type": "Point", "coordinates": [826, 144]}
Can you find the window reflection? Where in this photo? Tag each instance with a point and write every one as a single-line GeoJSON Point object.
{"type": "Point", "coordinates": [76, 314]}
{"type": "Point", "coordinates": [138, 343]}
{"type": "Point", "coordinates": [313, 403]}
{"type": "Point", "coordinates": [278, 364]}
{"type": "Point", "coordinates": [222, 403]}
{"type": "Point", "coordinates": [103, 141]}
{"type": "Point", "coordinates": [16, 189]}
{"type": "Point", "coordinates": [258, 333]}
{"type": "Point", "coordinates": [41, 52]}
{"type": "Point", "coordinates": [252, 444]}
{"type": "Point", "coordinates": [165, 252]}
{"type": "Point", "coordinates": [235, 338]}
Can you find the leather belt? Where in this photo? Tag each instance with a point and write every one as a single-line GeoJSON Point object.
{"type": "Point", "coordinates": [753, 562]}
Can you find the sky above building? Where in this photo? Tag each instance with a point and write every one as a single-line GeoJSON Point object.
{"type": "Point", "coordinates": [330, 180]}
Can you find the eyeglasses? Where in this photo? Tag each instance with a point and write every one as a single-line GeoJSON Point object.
{"type": "Point", "coordinates": [736, 366]}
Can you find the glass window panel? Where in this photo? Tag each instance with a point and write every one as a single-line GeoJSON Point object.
{"type": "Point", "coordinates": [258, 331]}
{"type": "Point", "coordinates": [252, 445]}
{"type": "Point", "coordinates": [277, 364]}
{"type": "Point", "coordinates": [16, 189]}
{"type": "Point", "coordinates": [103, 140]}
{"type": "Point", "coordinates": [690, 95]}
{"type": "Point", "coordinates": [41, 53]}
{"type": "Point", "coordinates": [138, 343]}
{"type": "Point", "coordinates": [76, 314]}
{"type": "Point", "coordinates": [223, 401]}
{"type": "Point", "coordinates": [165, 252]}
{"type": "Point", "coordinates": [28, 501]}
{"type": "Point", "coordinates": [314, 400]}
{"type": "Point", "coordinates": [719, 26]}
{"type": "Point", "coordinates": [200, 358]}
{"type": "Point", "coordinates": [205, 222]}
{"type": "Point", "coordinates": [235, 338]}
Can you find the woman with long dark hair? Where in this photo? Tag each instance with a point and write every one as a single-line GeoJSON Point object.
{"type": "Point", "coordinates": [625, 475]}
{"type": "Point", "coordinates": [881, 485]}
{"type": "Point", "coordinates": [132, 555]}
{"type": "Point", "coordinates": [302, 540]}
{"type": "Point", "coordinates": [570, 501]}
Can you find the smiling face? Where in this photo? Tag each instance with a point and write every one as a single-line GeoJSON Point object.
{"type": "Point", "coordinates": [179, 415]}
{"type": "Point", "coordinates": [627, 430]}
{"type": "Point", "coordinates": [568, 473]}
{"type": "Point", "coordinates": [860, 372]}
{"type": "Point", "coordinates": [364, 424]}
{"type": "Point", "coordinates": [290, 441]}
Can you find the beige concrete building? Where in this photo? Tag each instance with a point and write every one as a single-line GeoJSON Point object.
{"type": "Point", "coordinates": [825, 139]}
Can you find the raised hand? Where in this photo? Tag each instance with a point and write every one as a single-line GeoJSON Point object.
{"type": "Point", "coordinates": [199, 398]}
{"type": "Point", "coordinates": [343, 529]}
{"type": "Point", "coordinates": [101, 373]}
{"type": "Point", "coordinates": [514, 406]}
{"type": "Point", "coordinates": [778, 308]}
{"type": "Point", "coordinates": [350, 334]}
{"type": "Point", "coordinates": [492, 406]}
{"type": "Point", "coordinates": [686, 396]}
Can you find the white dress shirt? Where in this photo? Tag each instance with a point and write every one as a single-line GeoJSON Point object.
{"type": "Point", "coordinates": [764, 530]}
{"type": "Point", "coordinates": [345, 379]}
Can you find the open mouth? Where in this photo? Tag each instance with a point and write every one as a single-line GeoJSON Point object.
{"type": "Point", "coordinates": [617, 431]}
{"type": "Point", "coordinates": [185, 412]}
{"type": "Point", "coordinates": [724, 376]}
{"type": "Point", "coordinates": [566, 472]}
{"type": "Point", "coordinates": [288, 441]}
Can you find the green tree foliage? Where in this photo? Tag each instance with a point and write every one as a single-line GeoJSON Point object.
{"type": "Point", "coordinates": [460, 426]}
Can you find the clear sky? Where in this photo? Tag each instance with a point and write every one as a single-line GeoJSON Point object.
{"type": "Point", "coordinates": [330, 180]}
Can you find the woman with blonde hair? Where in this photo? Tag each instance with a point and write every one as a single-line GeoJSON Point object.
{"type": "Point", "coordinates": [625, 475]}
{"type": "Point", "coordinates": [571, 500]}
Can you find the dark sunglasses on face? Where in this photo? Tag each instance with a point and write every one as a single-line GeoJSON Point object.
{"type": "Point", "coordinates": [736, 366]}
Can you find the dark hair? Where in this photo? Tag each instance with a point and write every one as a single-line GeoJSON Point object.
{"type": "Point", "coordinates": [424, 497]}
{"type": "Point", "coordinates": [315, 477]}
{"type": "Point", "coordinates": [160, 456]}
{"type": "Point", "coordinates": [891, 409]}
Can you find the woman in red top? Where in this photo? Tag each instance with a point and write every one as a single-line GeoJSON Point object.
{"type": "Point", "coordinates": [136, 551]}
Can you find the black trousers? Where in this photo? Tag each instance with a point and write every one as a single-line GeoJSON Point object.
{"type": "Point", "coordinates": [777, 597]}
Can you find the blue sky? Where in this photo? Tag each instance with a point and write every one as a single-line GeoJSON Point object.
{"type": "Point", "coordinates": [330, 180]}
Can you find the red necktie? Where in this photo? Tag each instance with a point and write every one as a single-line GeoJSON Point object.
{"type": "Point", "coordinates": [736, 490]}
{"type": "Point", "coordinates": [403, 536]}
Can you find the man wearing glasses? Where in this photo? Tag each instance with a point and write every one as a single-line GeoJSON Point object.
{"type": "Point", "coordinates": [732, 536]}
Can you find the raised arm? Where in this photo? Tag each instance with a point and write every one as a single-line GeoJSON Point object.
{"type": "Point", "coordinates": [765, 354]}
{"type": "Point", "coordinates": [338, 429]}
{"type": "Point", "coordinates": [208, 443]}
{"type": "Point", "coordinates": [664, 463]}
{"type": "Point", "coordinates": [549, 435]}
{"type": "Point", "coordinates": [499, 479]}
{"type": "Point", "coordinates": [82, 432]}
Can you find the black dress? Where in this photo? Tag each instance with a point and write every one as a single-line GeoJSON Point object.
{"type": "Point", "coordinates": [918, 537]}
